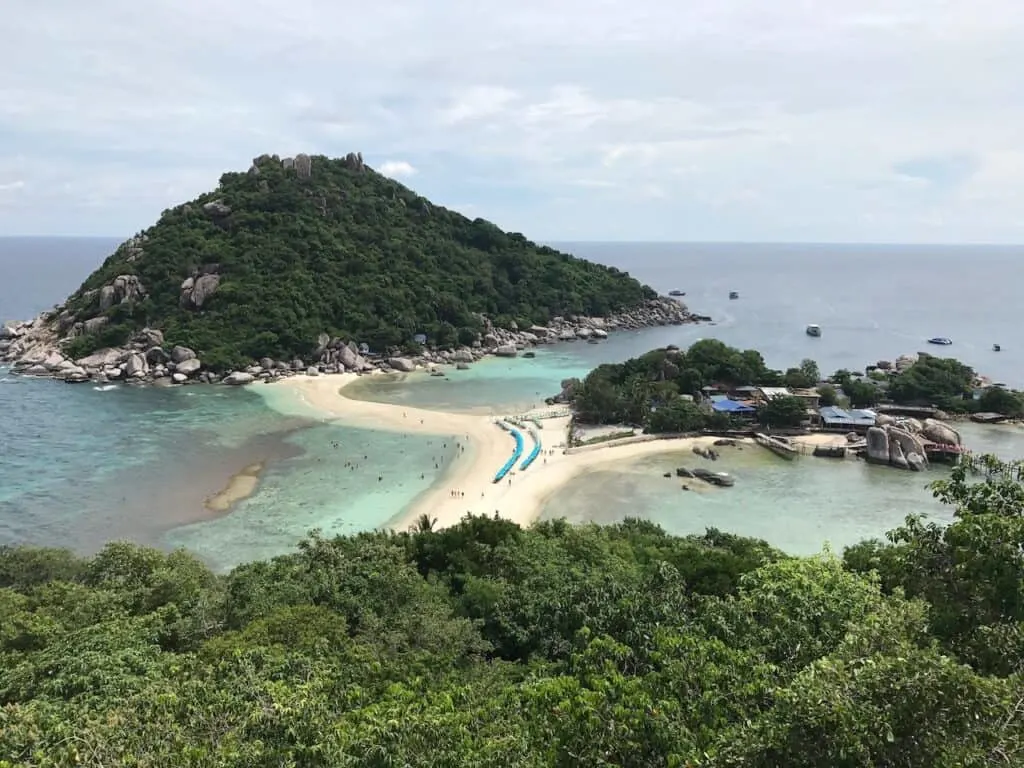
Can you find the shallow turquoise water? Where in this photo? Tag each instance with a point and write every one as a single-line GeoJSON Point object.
{"type": "Point", "coordinates": [343, 480]}
{"type": "Point", "coordinates": [83, 465]}
{"type": "Point", "coordinates": [79, 466]}
{"type": "Point", "coordinates": [797, 506]}
{"type": "Point", "coordinates": [492, 385]}
{"type": "Point", "coordinates": [136, 459]}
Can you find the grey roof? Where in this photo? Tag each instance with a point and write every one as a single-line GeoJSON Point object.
{"type": "Point", "coordinates": [830, 414]}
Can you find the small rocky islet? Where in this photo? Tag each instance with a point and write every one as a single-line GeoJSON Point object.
{"type": "Point", "coordinates": [305, 265]}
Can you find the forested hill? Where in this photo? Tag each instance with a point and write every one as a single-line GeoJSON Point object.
{"type": "Point", "coordinates": [293, 248]}
{"type": "Point", "coordinates": [490, 646]}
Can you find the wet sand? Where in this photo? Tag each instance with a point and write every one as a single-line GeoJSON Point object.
{"type": "Point", "coordinates": [240, 486]}
{"type": "Point", "coordinates": [469, 486]}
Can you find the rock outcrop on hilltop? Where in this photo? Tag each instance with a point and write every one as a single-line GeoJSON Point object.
{"type": "Point", "coordinates": [317, 265]}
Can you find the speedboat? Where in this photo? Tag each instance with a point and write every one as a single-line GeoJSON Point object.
{"type": "Point", "coordinates": [813, 330]}
{"type": "Point", "coordinates": [996, 348]}
{"type": "Point", "coordinates": [733, 295]}
{"type": "Point", "coordinates": [677, 293]}
{"type": "Point", "coordinates": [940, 340]}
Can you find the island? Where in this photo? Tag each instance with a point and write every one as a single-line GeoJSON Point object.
{"type": "Point", "coordinates": [312, 262]}
{"type": "Point", "coordinates": [893, 413]}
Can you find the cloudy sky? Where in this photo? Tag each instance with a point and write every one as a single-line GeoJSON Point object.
{"type": "Point", "coordinates": [800, 120]}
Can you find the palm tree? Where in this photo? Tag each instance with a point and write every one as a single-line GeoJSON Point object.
{"type": "Point", "coordinates": [424, 524]}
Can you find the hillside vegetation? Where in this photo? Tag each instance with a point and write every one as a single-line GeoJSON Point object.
{"type": "Point", "coordinates": [660, 390]}
{"type": "Point", "coordinates": [492, 646]}
{"type": "Point", "coordinates": [653, 390]}
{"type": "Point", "coordinates": [289, 250]}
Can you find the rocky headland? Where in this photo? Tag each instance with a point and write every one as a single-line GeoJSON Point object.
{"type": "Point", "coordinates": [319, 265]}
{"type": "Point", "coordinates": [36, 348]}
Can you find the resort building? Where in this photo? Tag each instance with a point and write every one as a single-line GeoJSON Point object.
{"type": "Point", "coordinates": [722, 404]}
{"type": "Point", "coordinates": [764, 394]}
{"type": "Point", "coordinates": [834, 419]}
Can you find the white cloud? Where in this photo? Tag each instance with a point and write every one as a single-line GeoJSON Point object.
{"type": "Point", "coordinates": [396, 169]}
{"type": "Point", "coordinates": [713, 119]}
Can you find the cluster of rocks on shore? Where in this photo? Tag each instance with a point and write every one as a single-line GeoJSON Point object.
{"type": "Point", "coordinates": [900, 441]}
{"type": "Point", "coordinates": [35, 348]}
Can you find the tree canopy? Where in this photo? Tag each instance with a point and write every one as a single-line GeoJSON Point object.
{"type": "Point", "coordinates": [486, 644]}
{"type": "Point", "coordinates": [940, 381]}
{"type": "Point", "coordinates": [653, 390]}
{"type": "Point", "coordinates": [782, 411]}
{"type": "Point", "coordinates": [341, 250]}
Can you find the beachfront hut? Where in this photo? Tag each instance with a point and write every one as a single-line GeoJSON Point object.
{"type": "Point", "coordinates": [767, 393]}
{"type": "Point", "coordinates": [420, 338]}
{"type": "Point", "coordinates": [709, 393]}
{"type": "Point", "coordinates": [734, 408]}
{"type": "Point", "coordinates": [810, 398]}
{"type": "Point", "coordinates": [744, 393]}
{"type": "Point", "coordinates": [835, 419]}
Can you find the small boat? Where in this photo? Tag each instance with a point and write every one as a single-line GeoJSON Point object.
{"type": "Point", "coordinates": [677, 293]}
{"type": "Point", "coordinates": [996, 348]}
{"type": "Point", "coordinates": [778, 446]}
{"type": "Point", "coordinates": [733, 295]}
{"type": "Point", "coordinates": [813, 330]}
{"type": "Point", "coordinates": [940, 340]}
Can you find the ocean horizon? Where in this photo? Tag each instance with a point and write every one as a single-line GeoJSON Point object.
{"type": "Point", "coordinates": [82, 465]}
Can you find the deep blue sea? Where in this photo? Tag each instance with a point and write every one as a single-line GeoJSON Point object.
{"type": "Point", "coordinates": [81, 465]}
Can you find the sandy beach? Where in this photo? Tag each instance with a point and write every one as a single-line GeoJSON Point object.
{"type": "Point", "coordinates": [240, 486]}
{"type": "Point", "coordinates": [469, 487]}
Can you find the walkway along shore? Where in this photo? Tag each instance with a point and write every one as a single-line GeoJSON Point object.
{"type": "Point", "coordinates": [520, 497]}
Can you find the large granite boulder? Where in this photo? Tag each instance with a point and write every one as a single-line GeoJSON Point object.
{"type": "Point", "coordinates": [123, 288]}
{"type": "Point", "coordinates": [102, 358]}
{"type": "Point", "coordinates": [348, 357]}
{"type": "Point", "coordinates": [403, 364]}
{"type": "Point", "coordinates": [149, 337]}
{"type": "Point", "coordinates": [217, 209]}
{"type": "Point", "coordinates": [180, 354]}
{"type": "Point", "coordinates": [136, 366]}
{"type": "Point", "coordinates": [54, 360]}
{"type": "Point", "coordinates": [188, 367]}
{"type": "Point", "coordinates": [195, 291]}
{"type": "Point", "coordinates": [938, 432]}
{"type": "Point", "coordinates": [239, 378]}
{"type": "Point", "coordinates": [878, 445]}
{"type": "Point", "coordinates": [896, 455]}
{"type": "Point", "coordinates": [95, 324]}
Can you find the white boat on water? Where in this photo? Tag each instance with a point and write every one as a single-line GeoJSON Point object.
{"type": "Point", "coordinates": [813, 330]}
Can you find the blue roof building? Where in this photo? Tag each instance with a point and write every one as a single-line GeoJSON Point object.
{"type": "Point", "coordinates": [733, 406]}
